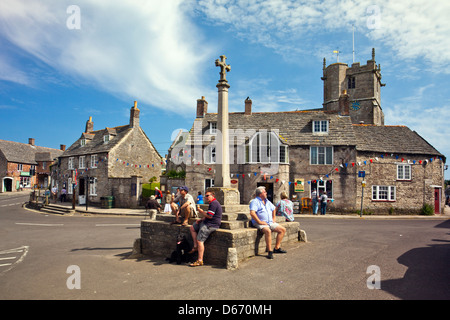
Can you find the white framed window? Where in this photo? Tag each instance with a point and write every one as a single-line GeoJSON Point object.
{"type": "Point", "coordinates": [284, 154]}
{"type": "Point", "coordinates": [383, 193]}
{"type": "Point", "coordinates": [209, 183]}
{"type": "Point", "coordinates": [70, 165]}
{"type": "Point", "coordinates": [93, 187]}
{"type": "Point", "coordinates": [213, 127]}
{"type": "Point", "coordinates": [320, 126]}
{"type": "Point", "coordinates": [403, 172]}
{"type": "Point", "coordinates": [82, 142]}
{"type": "Point", "coordinates": [210, 154]}
{"type": "Point", "coordinates": [94, 161]}
{"type": "Point", "coordinates": [25, 182]}
{"type": "Point", "coordinates": [321, 155]}
{"type": "Point", "coordinates": [81, 162]}
{"type": "Point", "coordinates": [265, 147]}
{"type": "Point", "coordinates": [19, 167]}
{"type": "Point", "coordinates": [106, 138]}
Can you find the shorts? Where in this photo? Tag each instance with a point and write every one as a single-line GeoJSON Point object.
{"type": "Point", "coordinates": [203, 231]}
{"type": "Point", "coordinates": [272, 226]}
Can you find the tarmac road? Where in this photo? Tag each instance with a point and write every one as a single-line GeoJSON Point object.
{"type": "Point", "coordinates": [411, 259]}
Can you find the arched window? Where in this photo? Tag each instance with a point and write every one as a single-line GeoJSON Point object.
{"type": "Point", "coordinates": [265, 147]}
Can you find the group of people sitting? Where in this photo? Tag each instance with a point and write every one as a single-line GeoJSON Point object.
{"type": "Point", "coordinates": [262, 211]}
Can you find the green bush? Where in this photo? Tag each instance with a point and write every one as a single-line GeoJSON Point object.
{"type": "Point", "coordinates": [148, 189]}
{"type": "Point", "coordinates": [427, 210]}
{"type": "Point", "coordinates": [175, 174]}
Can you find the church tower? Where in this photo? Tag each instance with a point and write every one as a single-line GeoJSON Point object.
{"type": "Point", "coordinates": [362, 85]}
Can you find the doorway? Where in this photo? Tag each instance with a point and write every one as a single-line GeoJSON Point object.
{"type": "Point", "coordinates": [437, 200]}
{"type": "Point", "coordinates": [7, 184]}
{"type": "Point", "coordinates": [269, 189]}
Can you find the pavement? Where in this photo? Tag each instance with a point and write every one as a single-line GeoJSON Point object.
{"type": "Point", "coordinates": [81, 209]}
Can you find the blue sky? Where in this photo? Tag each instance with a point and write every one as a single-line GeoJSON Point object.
{"type": "Point", "coordinates": [63, 61]}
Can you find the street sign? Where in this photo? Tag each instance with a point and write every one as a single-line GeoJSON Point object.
{"type": "Point", "coordinates": [361, 174]}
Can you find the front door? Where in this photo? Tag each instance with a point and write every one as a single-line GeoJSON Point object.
{"type": "Point", "coordinates": [7, 184]}
{"type": "Point", "coordinates": [437, 200]}
{"type": "Point", "coordinates": [81, 187]}
{"type": "Point", "coordinates": [269, 189]}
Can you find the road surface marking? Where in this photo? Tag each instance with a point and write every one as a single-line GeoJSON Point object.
{"type": "Point", "coordinates": [23, 250]}
{"type": "Point", "coordinates": [40, 224]}
{"type": "Point", "coordinates": [116, 224]}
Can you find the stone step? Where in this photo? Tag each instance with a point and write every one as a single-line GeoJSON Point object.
{"type": "Point", "coordinates": [57, 207]}
{"type": "Point", "coordinates": [230, 221]}
{"type": "Point", "coordinates": [55, 210]}
{"type": "Point", "coordinates": [233, 225]}
{"type": "Point", "coordinates": [229, 208]}
{"type": "Point", "coordinates": [159, 238]}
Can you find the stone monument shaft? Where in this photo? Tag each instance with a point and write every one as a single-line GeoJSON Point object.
{"type": "Point", "coordinates": [222, 176]}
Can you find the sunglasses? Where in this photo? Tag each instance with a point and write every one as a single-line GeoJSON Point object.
{"type": "Point", "coordinates": [208, 195]}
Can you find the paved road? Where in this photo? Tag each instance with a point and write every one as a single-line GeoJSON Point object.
{"type": "Point", "coordinates": [411, 255]}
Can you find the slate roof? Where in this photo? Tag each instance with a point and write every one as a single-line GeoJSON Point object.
{"type": "Point", "coordinates": [26, 153]}
{"type": "Point", "coordinates": [295, 127]}
{"type": "Point", "coordinates": [392, 139]}
{"type": "Point", "coordinates": [95, 143]}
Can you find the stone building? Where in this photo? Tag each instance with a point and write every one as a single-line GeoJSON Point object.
{"type": "Point", "coordinates": [25, 165]}
{"type": "Point", "coordinates": [329, 149]}
{"type": "Point", "coordinates": [113, 162]}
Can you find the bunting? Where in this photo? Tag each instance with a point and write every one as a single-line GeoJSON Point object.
{"type": "Point", "coordinates": [338, 168]}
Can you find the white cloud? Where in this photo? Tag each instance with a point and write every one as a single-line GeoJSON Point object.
{"type": "Point", "coordinates": [412, 29]}
{"type": "Point", "coordinates": [141, 50]}
{"type": "Point", "coordinates": [418, 114]}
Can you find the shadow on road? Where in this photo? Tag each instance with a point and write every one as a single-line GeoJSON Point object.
{"type": "Point", "coordinates": [428, 274]}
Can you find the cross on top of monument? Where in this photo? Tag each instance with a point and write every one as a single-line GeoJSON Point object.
{"type": "Point", "coordinates": [223, 68]}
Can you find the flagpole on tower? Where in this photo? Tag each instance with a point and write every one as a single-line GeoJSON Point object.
{"type": "Point", "coordinates": [353, 31]}
{"type": "Point", "coordinates": [337, 54]}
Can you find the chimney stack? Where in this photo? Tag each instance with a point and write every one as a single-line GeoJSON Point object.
{"type": "Point", "coordinates": [62, 147]}
{"type": "Point", "coordinates": [202, 107]}
{"type": "Point", "coordinates": [344, 104]}
{"type": "Point", "coordinates": [134, 116]}
{"type": "Point", "coordinates": [248, 106]}
{"type": "Point", "coordinates": [31, 141]}
{"type": "Point", "coordinates": [89, 126]}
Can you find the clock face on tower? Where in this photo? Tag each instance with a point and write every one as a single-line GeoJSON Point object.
{"type": "Point", "coordinates": [355, 106]}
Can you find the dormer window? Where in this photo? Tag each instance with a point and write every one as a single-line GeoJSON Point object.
{"type": "Point", "coordinates": [320, 126]}
{"type": "Point", "coordinates": [82, 142]}
{"type": "Point", "coordinates": [106, 138]}
{"type": "Point", "coordinates": [213, 127]}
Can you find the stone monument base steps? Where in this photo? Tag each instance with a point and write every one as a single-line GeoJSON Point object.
{"type": "Point", "coordinates": [158, 237]}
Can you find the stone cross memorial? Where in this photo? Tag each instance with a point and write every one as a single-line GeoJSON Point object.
{"type": "Point", "coordinates": [225, 194]}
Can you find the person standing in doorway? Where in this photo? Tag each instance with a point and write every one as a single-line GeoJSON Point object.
{"type": "Point", "coordinates": [323, 203]}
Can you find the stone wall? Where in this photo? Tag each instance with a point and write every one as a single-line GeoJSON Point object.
{"type": "Point", "coordinates": [159, 238]}
{"type": "Point", "coordinates": [411, 194]}
{"type": "Point", "coordinates": [138, 151]}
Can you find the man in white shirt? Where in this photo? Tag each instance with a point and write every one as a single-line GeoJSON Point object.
{"type": "Point", "coordinates": [187, 207]}
{"type": "Point", "coordinates": [263, 214]}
